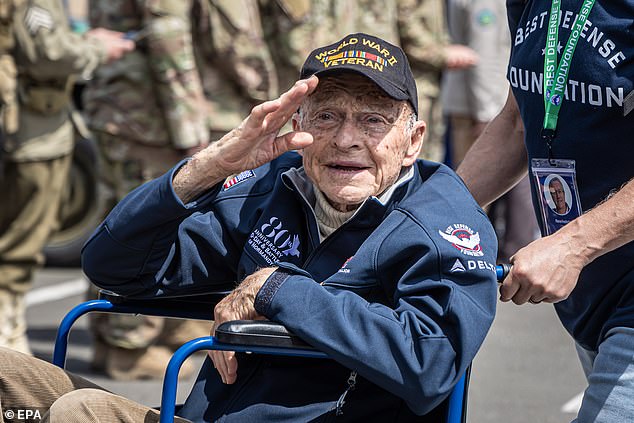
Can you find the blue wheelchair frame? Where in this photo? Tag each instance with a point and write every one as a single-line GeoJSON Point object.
{"type": "Point", "coordinates": [456, 402]}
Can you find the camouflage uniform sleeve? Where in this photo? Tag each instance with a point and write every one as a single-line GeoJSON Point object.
{"type": "Point", "coordinates": [238, 41]}
{"type": "Point", "coordinates": [43, 37]}
{"type": "Point", "coordinates": [423, 33]}
{"type": "Point", "coordinates": [176, 76]}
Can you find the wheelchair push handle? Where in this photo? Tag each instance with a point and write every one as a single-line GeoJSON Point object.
{"type": "Point", "coordinates": [502, 271]}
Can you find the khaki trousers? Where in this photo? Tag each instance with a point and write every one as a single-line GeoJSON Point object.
{"type": "Point", "coordinates": [462, 138]}
{"type": "Point", "coordinates": [30, 195]}
{"type": "Point", "coordinates": [59, 396]}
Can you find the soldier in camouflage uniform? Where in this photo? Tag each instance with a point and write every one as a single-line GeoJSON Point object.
{"type": "Point", "coordinates": [234, 61]}
{"type": "Point", "coordinates": [37, 138]}
{"type": "Point", "coordinates": [291, 27]}
{"type": "Point", "coordinates": [417, 25]}
{"type": "Point", "coordinates": [200, 66]}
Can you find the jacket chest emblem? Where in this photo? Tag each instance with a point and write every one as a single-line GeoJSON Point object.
{"type": "Point", "coordinates": [464, 239]}
{"type": "Point", "coordinates": [239, 178]}
{"type": "Point", "coordinates": [273, 242]}
{"type": "Point", "coordinates": [344, 268]}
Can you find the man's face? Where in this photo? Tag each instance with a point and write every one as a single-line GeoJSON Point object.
{"type": "Point", "coordinates": [362, 139]}
{"type": "Point", "coordinates": [558, 194]}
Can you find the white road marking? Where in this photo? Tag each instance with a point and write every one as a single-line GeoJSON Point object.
{"type": "Point", "coordinates": [56, 292]}
{"type": "Point", "coordinates": [573, 405]}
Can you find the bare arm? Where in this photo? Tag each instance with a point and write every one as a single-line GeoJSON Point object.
{"type": "Point", "coordinates": [608, 226]}
{"type": "Point", "coordinates": [548, 269]}
{"type": "Point", "coordinates": [497, 160]}
{"type": "Point", "coordinates": [254, 143]}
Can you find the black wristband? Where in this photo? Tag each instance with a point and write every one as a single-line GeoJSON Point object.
{"type": "Point", "coordinates": [269, 289]}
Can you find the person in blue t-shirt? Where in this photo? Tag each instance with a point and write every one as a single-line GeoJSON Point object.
{"type": "Point", "coordinates": [569, 118]}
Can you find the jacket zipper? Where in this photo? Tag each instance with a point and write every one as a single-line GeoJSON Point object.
{"type": "Point", "coordinates": [352, 383]}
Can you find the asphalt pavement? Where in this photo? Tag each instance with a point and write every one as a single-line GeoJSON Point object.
{"type": "Point", "coordinates": [526, 371]}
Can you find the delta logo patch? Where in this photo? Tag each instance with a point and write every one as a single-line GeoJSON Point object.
{"type": "Point", "coordinates": [239, 178]}
{"type": "Point", "coordinates": [458, 267]}
{"type": "Point", "coordinates": [464, 239]}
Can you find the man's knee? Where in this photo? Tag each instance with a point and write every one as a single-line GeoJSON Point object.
{"type": "Point", "coordinates": [90, 405]}
{"type": "Point", "coordinates": [11, 362]}
{"type": "Point", "coordinates": [81, 405]}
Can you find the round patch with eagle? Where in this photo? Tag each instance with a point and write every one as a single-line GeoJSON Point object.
{"type": "Point", "coordinates": [464, 239]}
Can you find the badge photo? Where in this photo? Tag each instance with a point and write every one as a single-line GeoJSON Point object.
{"type": "Point", "coordinates": [556, 185]}
{"type": "Point", "coordinates": [557, 194]}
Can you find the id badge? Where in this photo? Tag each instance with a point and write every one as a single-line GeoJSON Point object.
{"type": "Point", "coordinates": [556, 182]}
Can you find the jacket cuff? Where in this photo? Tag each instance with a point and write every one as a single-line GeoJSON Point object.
{"type": "Point", "coordinates": [265, 295]}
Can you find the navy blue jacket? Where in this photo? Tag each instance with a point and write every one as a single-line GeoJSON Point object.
{"type": "Point", "coordinates": [403, 293]}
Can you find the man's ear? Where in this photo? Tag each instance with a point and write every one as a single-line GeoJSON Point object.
{"type": "Point", "coordinates": [415, 143]}
{"type": "Point", "coordinates": [295, 121]}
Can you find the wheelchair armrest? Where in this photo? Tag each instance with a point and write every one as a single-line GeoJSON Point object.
{"type": "Point", "coordinates": [198, 306]}
{"type": "Point", "coordinates": [250, 336]}
{"type": "Point", "coordinates": [258, 333]}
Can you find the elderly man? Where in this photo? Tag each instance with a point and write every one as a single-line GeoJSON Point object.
{"type": "Point", "coordinates": [382, 261]}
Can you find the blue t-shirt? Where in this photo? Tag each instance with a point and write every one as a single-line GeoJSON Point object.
{"type": "Point", "coordinates": [595, 129]}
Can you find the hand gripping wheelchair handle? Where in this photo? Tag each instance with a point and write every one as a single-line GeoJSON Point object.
{"type": "Point", "coordinates": [502, 271]}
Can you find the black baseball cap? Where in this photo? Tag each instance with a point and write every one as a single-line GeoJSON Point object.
{"type": "Point", "coordinates": [384, 63]}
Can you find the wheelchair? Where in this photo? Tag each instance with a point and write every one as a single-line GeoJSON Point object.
{"type": "Point", "coordinates": [259, 337]}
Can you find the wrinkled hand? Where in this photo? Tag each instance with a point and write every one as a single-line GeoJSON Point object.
{"type": "Point", "coordinates": [237, 306]}
{"type": "Point", "coordinates": [256, 141]}
{"type": "Point", "coordinates": [115, 43]}
{"type": "Point", "coordinates": [545, 270]}
{"type": "Point", "coordinates": [252, 144]}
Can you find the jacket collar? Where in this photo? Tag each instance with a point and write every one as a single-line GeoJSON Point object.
{"type": "Point", "coordinates": [373, 207]}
